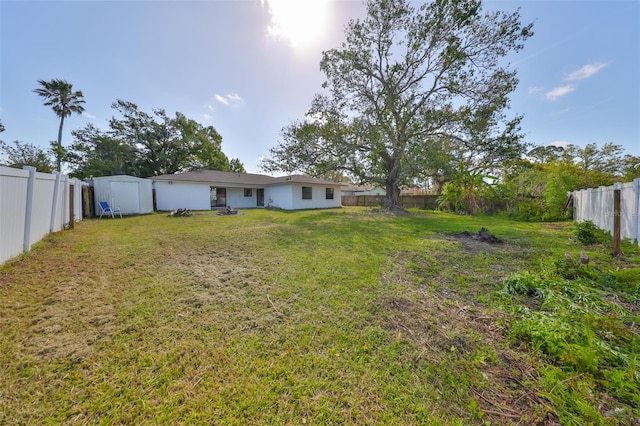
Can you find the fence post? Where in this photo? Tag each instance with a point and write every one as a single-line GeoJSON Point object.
{"type": "Point", "coordinates": [54, 204]}
{"type": "Point", "coordinates": [617, 251]}
{"type": "Point", "coordinates": [86, 211]}
{"type": "Point", "coordinates": [72, 209]}
{"type": "Point", "coordinates": [65, 199]}
{"type": "Point", "coordinates": [636, 210]}
{"type": "Point", "coordinates": [26, 241]}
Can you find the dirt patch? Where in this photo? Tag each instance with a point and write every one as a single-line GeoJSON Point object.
{"type": "Point", "coordinates": [478, 242]}
{"type": "Point", "coordinates": [455, 332]}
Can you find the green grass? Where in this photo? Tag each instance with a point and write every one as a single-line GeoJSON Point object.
{"type": "Point", "coordinates": [321, 317]}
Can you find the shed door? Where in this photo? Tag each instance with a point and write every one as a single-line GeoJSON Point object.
{"type": "Point", "coordinates": [125, 196]}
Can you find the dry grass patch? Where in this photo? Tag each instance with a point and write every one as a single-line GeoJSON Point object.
{"type": "Point", "coordinates": [463, 341]}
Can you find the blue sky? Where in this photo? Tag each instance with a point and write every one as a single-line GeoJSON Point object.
{"type": "Point", "coordinates": [248, 68]}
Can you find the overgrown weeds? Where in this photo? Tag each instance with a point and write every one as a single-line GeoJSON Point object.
{"type": "Point", "coordinates": [585, 323]}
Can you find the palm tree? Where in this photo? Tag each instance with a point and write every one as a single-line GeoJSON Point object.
{"type": "Point", "coordinates": [59, 95]}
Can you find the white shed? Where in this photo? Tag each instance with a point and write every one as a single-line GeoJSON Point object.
{"type": "Point", "coordinates": [132, 195]}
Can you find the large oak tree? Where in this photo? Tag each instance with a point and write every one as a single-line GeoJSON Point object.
{"type": "Point", "coordinates": [142, 144]}
{"type": "Point", "coordinates": [411, 93]}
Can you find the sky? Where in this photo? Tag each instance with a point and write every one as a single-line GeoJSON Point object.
{"type": "Point", "coordinates": [251, 67]}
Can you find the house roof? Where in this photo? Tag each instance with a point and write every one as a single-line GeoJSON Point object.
{"type": "Point", "coordinates": [234, 178]}
{"type": "Point", "coordinates": [303, 179]}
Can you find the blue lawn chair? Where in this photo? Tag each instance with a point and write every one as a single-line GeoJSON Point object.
{"type": "Point", "coordinates": [108, 210]}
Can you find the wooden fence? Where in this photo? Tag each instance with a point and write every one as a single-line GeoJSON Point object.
{"type": "Point", "coordinates": [407, 201]}
{"type": "Point", "coordinates": [33, 204]}
{"type": "Point", "coordinates": [597, 205]}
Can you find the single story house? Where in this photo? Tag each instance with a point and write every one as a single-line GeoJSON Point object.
{"type": "Point", "coordinates": [212, 189]}
{"type": "Point", "coordinates": [351, 190]}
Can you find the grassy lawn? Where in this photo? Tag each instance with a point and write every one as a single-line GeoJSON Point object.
{"type": "Point", "coordinates": [341, 316]}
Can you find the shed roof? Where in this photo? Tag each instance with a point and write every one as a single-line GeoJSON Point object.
{"type": "Point", "coordinates": [119, 178]}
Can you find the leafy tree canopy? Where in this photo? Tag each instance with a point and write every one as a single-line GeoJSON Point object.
{"type": "Point", "coordinates": [24, 154]}
{"type": "Point", "coordinates": [411, 93]}
{"type": "Point", "coordinates": [142, 144]}
{"type": "Point", "coordinates": [536, 187]}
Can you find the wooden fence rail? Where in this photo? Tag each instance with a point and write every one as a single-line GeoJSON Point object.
{"type": "Point", "coordinates": [407, 201]}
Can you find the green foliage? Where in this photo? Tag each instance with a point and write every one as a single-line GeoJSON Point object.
{"type": "Point", "coordinates": [536, 188]}
{"type": "Point", "coordinates": [25, 154]}
{"type": "Point", "coordinates": [587, 233]}
{"type": "Point", "coordinates": [144, 145]}
{"type": "Point", "coordinates": [385, 122]}
{"type": "Point", "coordinates": [235, 165]}
{"type": "Point", "coordinates": [64, 101]}
{"type": "Point", "coordinates": [577, 326]}
{"type": "Point", "coordinates": [469, 192]}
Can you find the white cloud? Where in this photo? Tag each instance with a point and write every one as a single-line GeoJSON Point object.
{"type": "Point", "coordinates": [89, 116]}
{"type": "Point", "coordinates": [207, 116]}
{"type": "Point", "coordinates": [535, 90]}
{"type": "Point", "coordinates": [558, 92]}
{"type": "Point", "coordinates": [585, 72]}
{"type": "Point", "coordinates": [561, 144]}
{"type": "Point", "coordinates": [231, 99]}
{"type": "Point", "coordinates": [221, 99]}
{"type": "Point", "coordinates": [234, 97]}
{"type": "Point", "coordinates": [210, 107]}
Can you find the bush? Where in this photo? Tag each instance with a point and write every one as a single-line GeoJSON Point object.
{"type": "Point", "coordinates": [588, 233]}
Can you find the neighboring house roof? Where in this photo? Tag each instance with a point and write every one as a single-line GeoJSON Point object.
{"type": "Point", "coordinates": [367, 188]}
{"type": "Point", "coordinates": [357, 188]}
{"type": "Point", "coordinates": [239, 179]}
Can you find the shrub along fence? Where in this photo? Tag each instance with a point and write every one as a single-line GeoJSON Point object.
{"type": "Point", "coordinates": [33, 204]}
{"type": "Point", "coordinates": [597, 205]}
{"type": "Point", "coordinates": [407, 201]}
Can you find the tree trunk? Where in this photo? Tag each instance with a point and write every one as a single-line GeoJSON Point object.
{"type": "Point", "coordinates": [58, 150]}
{"type": "Point", "coordinates": [392, 197]}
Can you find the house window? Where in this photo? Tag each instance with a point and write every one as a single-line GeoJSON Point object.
{"type": "Point", "coordinates": [329, 193]}
{"type": "Point", "coordinates": [306, 192]}
{"type": "Point", "coordinates": [248, 192]}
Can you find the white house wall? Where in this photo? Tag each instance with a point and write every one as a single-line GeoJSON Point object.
{"type": "Point", "coordinates": [236, 198]}
{"type": "Point", "coordinates": [196, 196]}
{"type": "Point", "coordinates": [318, 197]}
{"type": "Point", "coordinates": [289, 197]}
{"type": "Point", "coordinates": [279, 197]}
{"type": "Point", "coordinates": [182, 195]}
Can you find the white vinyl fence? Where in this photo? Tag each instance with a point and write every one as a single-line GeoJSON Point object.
{"type": "Point", "coordinates": [33, 204]}
{"type": "Point", "coordinates": [596, 205]}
